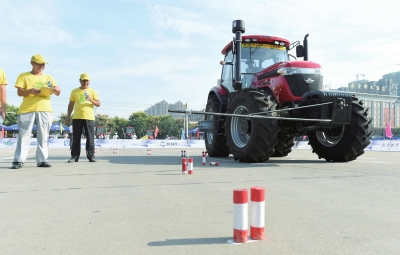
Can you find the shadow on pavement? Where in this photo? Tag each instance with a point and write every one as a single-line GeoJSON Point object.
{"type": "Point", "coordinates": [190, 241]}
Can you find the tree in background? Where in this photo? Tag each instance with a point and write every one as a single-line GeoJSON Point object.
{"type": "Point", "coordinates": [11, 118]}
{"type": "Point", "coordinates": [118, 126]}
{"type": "Point", "coordinates": [167, 126]}
{"type": "Point", "coordinates": [103, 120]}
{"type": "Point", "coordinates": [139, 121]}
{"type": "Point", "coordinates": [61, 118]}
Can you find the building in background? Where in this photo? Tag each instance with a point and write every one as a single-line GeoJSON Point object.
{"type": "Point", "coordinates": [161, 109]}
{"type": "Point", "coordinates": [382, 97]}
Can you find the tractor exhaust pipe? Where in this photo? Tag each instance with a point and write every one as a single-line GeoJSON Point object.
{"type": "Point", "coordinates": [238, 28]}
{"type": "Point", "coordinates": [305, 43]}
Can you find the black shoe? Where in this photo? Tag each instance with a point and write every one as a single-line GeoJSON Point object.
{"type": "Point", "coordinates": [17, 165]}
{"type": "Point", "coordinates": [72, 160]}
{"type": "Point", "coordinates": [43, 164]}
{"type": "Point", "coordinates": [92, 160]}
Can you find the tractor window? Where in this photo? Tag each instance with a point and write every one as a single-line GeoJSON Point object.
{"type": "Point", "coordinates": [226, 76]}
{"type": "Point", "coordinates": [258, 56]}
{"type": "Point", "coordinates": [273, 57]}
{"type": "Point", "coordinates": [264, 55]}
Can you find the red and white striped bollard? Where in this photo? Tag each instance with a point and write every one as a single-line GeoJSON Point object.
{"type": "Point", "coordinates": [190, 166]}
{"type": "Point", "coordinates": [203, 158]}
{"type": "Point", "coordinates": [184, 166]}
{"type": "Point", "coordinates": [240, 216]}
{"type": "Point", "coordinates": [257, 213]}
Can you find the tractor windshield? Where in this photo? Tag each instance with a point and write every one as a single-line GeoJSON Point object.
{"type": "Point", "coordinates": [258, 56]}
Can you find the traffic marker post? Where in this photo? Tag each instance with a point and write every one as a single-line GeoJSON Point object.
{"type": "Point", "coordinates": [190, 166]}
{"type": "Point", "coordinates": [203, 158]}
{"type": "Point", "coordinates": [257, 213]}
{"type": "Point", "coordinates": [240, 216]}
{"type": "Point", "coordinates": [214, 163]}
{"type": "Point", "coordinates": [184, 166]}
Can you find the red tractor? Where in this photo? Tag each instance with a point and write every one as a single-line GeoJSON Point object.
{"type": "Point", "coordinates": [129, 132]}
{"type": "Point", "coordinates": [150, 134]}
{"type": "Point", "coordinates": [255, 112]}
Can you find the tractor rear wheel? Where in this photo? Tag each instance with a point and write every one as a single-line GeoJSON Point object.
{"type": "Point", "coordinates": [215, 142]}
{"type": "Point", "coordinates": [251, 139]}
{"type": "Point", "coordinates": [345, 143]}
{"type": "Point", "coordinates": [284, 146]}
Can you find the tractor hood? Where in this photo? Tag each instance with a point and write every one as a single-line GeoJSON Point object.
{"type": "Point", "coordinates": [312, 66]}
{"type": "Point", "coordinates": [297, 76]}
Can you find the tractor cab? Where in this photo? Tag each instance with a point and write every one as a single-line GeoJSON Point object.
{"type": "Point", "coordinates": [257, 53]}
{"type": "Point", "coordinates": [129, 131]}
{"type": "Point", "coordinates": [150, 134]}
{"type": "Point", "coordinates": [99, 131]}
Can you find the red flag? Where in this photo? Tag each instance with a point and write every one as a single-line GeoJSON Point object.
{"type": "Point", "coordinates": [156, 132]}
{"type": "Point", "coordinates": [389, 132]}
{"type": "Point", "coordinates": [2, 132]}
{"type": "Point", "coordinates": [197, 134]}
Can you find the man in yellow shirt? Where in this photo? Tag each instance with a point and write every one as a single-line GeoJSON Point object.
{"type": "Point", "coordinates": [82, 101]}
{"type": "Point", "coordinates": [36, 88]}
{"type": "Point", "coordinates": [3, 94]}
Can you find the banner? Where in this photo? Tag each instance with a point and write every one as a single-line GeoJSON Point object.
{"type": "Point", "coordinates": [111, 143]}
{"type": "Point", "coordinates": [375, 145]}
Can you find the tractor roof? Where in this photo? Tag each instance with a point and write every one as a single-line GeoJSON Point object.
{"type": "Point", "coordinates": [257, 39]}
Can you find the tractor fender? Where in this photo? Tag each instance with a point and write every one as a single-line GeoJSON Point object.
{"type": "Point", "coordinates": [221, 93]}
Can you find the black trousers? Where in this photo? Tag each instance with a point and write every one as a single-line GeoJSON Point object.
{"type": "Point", "coordinates": [78, 125]}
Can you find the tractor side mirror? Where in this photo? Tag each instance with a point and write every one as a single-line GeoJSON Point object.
{"type": "Point", "coordinates": [299, 51]}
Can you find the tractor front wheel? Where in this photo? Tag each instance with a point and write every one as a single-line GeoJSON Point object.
{"type": "Point", "coordinates": [251, 139]}
{"type": "Point", "coordinates": [345, 143]}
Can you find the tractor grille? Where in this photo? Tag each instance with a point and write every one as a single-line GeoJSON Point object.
{"type": "Point", "coordinates": [298, 86]}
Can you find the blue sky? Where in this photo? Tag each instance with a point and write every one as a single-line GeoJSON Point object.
{"type": "Point", "coordinates": [141, 52]}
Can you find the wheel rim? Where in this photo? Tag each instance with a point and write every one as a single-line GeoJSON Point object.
{"type": "Point", "coordinates": [210, 135]}
{"type": "Point", "coordinates": [330, 139]}
{"type": "Point", "coordinates": [240, 128]}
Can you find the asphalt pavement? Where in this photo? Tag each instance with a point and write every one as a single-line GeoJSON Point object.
{"type": "Point", "coordinates": [132, 203]}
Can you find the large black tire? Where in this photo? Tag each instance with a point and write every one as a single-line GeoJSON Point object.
{"type": "Point", "coordinates": [215, 142]}
{"type": "Point", "coordinates": [250, 139]}
{"type": "Point", "coordinates": [284, 146]}
{"type": "Point", "coordinates": [345, 143]}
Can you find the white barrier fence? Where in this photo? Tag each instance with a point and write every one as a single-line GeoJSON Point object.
{"type": "Point", "coordinates": [375, 145]}
{"type": "Point", "coordinates": [112, 143]}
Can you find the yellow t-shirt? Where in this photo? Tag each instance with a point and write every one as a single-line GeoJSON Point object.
{"type": "Point", "coordinates": [83, 109]}
{"type": "Point", "coordinates": [34, 103]}
{"type": "Point", "coordinates": [3, 78]}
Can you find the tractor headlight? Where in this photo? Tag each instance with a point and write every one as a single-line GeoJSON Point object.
{"type": "Point", "coordinates": [296, 70]}
{"type": "Point", "coordinates": [288, 71]}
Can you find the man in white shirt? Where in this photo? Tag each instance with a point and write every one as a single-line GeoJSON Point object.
{"type": "Point", "coordinates": [115, 136]}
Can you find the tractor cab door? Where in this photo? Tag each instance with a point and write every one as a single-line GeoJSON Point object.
{"type": "Point", "coordinates": [227, 72]}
